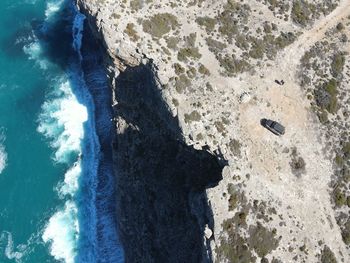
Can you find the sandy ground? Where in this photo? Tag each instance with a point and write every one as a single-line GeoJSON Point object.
{"type": "Point", "coordinates": [304, 201]}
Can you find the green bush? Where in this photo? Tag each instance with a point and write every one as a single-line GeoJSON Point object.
{"type": "Point", "coordinates": [337, 65]}
{"type": "Point", "coordinates": [207, 22]}
{"type": "Point", "coordinates": [188, 52]}
{"type": "Point", "coordinates": [328, 256]}
{"type": "Point", "coordinates": [160, 24]}
{"type": "Point", "coordinates": [192, 117]}
{"type": "Point", "coordinates": [301, 13]}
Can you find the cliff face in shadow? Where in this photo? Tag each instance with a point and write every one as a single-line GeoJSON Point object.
{"type": "Point", "coordinates": [161, 200]}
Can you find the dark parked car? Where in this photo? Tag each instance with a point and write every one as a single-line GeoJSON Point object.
{"type": "Point", "coordinates": [273, 126]}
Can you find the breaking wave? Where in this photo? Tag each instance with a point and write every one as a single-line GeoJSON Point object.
{"type": "Point", "coordinates": [61, 121]}
{"type": "Point", "coordinates": [62, 232]}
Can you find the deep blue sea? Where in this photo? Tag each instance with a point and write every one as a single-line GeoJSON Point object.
{"type": "Point", "coordinates": [56, 184]}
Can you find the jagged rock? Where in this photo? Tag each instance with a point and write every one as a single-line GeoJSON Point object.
{"type": "Point", "coordinates": [208, 232]}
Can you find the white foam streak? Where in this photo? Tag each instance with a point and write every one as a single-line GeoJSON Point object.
{"type": "Point", "coordinates": [78, 27]}
{"type": "Point", "coordinates": [3, 154]}
{"type": "Point", "coordinates": [3, 158]}
{"type": "Point", "coordinates": [10, 251]}
{"type": "Point", "coordinates": [62, 233]}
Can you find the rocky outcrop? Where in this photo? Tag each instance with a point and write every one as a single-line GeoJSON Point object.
{"type": "Point", "coordinates": [120, 54]}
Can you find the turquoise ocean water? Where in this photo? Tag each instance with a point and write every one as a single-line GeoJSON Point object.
{"type": "Point", "coordinates": [48, 211]}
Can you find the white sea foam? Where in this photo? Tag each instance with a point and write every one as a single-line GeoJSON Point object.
{"type": "Point", "coordinates": [62, 121]}
{"type": "Point", "coordinates": [52, 8]}
{"type": "Point", "coordinates": [70, 185]}
{"type": "Point", "coordinates": [3, 154]}
{"type": "Point", "coordinates": [35, 52]}
{"type": "Point", "coordinates": [62, 233]}
{"type": "Point", "coordinates": [3, 158]}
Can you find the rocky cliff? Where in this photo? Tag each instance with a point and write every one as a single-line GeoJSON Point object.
{"type": "Point", "coordinates": [198, 178]}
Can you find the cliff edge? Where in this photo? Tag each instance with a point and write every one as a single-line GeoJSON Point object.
{"type": "Point", "coordinates": [198, 178]}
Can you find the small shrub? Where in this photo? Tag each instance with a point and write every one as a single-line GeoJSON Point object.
{"type": "Point", "coordinates": [262, 240]}
{"type": "Point", "coordinates": [340, 26]}
{"type": "Point", "coordinates": [188, 52]}
{"type": "Point", "coordinates": [328, 256]}
{"type": "Point", "coordinates": [160, 24]}
{"type": "Point", "coordinates": [326, 96]}
{"type": "Point", "coordinates": [235, 147]}
{"type": "Point", "coordinates": [301, 13]}
{"type": "Point", "coordinates": [207, 22]}
{"type": "Point", "coordinates": [297, 163]}
{"type": "Point", "coordinates": [172, 42]}
{"type": "Point", "coordinates": [178, 69]}
{"type": "Point", "coordinates": [346, 150]}
{"type": "Point", "coordinates": [182, 83]}
{"type": "Point", "coordinates": [203, 70]}
{"type": "Point", "coordinates": [131, 32]}
{"type": "Point", "coordinates": [192, 117]}
{"type": "Point", "coordinates": [339, 198]}
{"type": "Point", "coordinates": [337, 65]}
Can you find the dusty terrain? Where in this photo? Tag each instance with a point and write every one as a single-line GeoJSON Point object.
{"type": "Point", "coordinates": [276, 200]}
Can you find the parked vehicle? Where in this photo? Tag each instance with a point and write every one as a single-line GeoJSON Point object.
{"type": "Point", "coordinates": [273, 126]}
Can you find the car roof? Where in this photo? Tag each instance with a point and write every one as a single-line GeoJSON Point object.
{"type": "Point", "coordinates": [278, 127]}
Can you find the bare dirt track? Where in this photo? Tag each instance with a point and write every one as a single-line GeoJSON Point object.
{"type": "Point", "coordinates": [304, 198]}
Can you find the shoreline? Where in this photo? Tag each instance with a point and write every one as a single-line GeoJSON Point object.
{"type": "Point", "coordinates": [107, 244]}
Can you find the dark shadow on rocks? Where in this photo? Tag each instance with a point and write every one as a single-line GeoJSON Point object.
{"type": "Point", "coordinates": [161, 181]}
